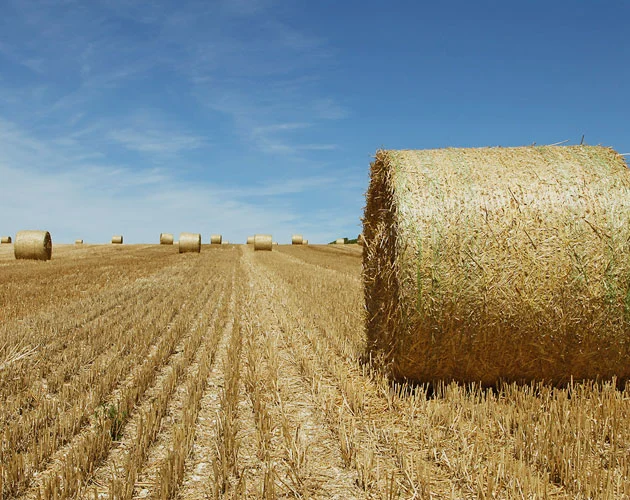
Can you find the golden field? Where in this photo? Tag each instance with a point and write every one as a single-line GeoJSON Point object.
{"type": "Point", "coordinates": [132, 371]}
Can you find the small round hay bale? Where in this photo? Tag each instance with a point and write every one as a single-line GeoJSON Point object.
{"type": "Point", "coordinates": [360, 239]}
{"type": "Point", "coordinates": [250, 240]}
{"type": "Point", "coordinates": [340, 241]}
{"type": "Point", "coordinates": [78, 242]}
{"type": "Point", "coordinates": [225, 243]}
{"type": "Point", "coordinates": [491, 264]}
{"type": "Point", "coordinates": [296, 239]}
{"type": "Point", "coordinates": [304, 242]}
{"type": "Point", "coordinates": [6, 239]}
{"type": "Point", "coordinates": [36, 245]}
{"type": "Point", "coordinates": [263, 242]}
{"type": "Point", "coordinates": [117, 240]}
{"type": "Point", "coordinates": [276, 243]}
{"type": "Point", "coordinates": [216, 239]}
{"type": "Point", "coordinates": [166, 239]}
{"type": "Point", "coordinates": [189, 242]}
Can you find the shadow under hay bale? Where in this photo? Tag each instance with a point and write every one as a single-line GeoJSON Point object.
{"type": "Point", "coordinates": [499, 264]}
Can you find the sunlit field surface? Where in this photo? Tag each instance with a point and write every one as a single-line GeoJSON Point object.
{"type": "Point", "coordinates": [131, 371]}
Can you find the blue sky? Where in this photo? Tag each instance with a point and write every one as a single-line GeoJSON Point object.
{"type": "Point", "coordinates": [245, 116]}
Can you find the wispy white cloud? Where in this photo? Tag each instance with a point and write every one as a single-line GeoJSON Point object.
{"type": "Point", "coordinates": [155, 141]}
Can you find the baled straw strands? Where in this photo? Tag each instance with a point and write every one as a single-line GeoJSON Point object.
{"type": "Point", "coordinates": [166, 239]}
{"type": "Point", "coordinates": [263, 242]}
{"type": "Point", "coordinates": [6, 239]}
{"type": "Point", "coordinates": [117, 240]}
{"type": "Point", "coordinates": [189, 242]}
{"type": "Point", "coordinates": [499, 264]}
{"type": "Point", "coordinates": [36, 245]}
{"type": "Point", "coordinates": [296, 239]}
{"type": "Point", "coordinates": [216, 239]}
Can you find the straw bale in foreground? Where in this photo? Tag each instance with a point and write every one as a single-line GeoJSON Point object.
{"type": "Point", "coordinates": [499, 264]}
{"type": "Point", "coordinates": [36, 245]}
{"type": "Point", "coordinates": [216, 239]}
{"type": "Point", "coordinates": [189, 242]}
{"type": "Point", "coordinates": [166, 239]}
{"type": "Point", "coordinates": [117, 240]}
{"type": "Point", "coordinates": [296, 239]}
{"type": "Point", "coordinates": [263, 242]}
{"type": "Point", "coordinates": [6, 239]}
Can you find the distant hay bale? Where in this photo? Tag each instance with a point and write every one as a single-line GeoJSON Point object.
{"type": "Point", "coordinates": [340, 241]}
{"type": "Point", "coordinates": [495, 264]}
{"type": "Point", "coordinates": [6, 239]}
{"type": "Point", "coordinates": [304, 242]}
{"type": "Point", "coordinates": [263, 242]}
{"type": "Point", "coordinates": [276, 243]}
{"type": "Point", "coordinates": [166, 239]}
{"type": "Point", "coordinates": [250, 240]}
{"type": "Point", "coordinates": [117, 240]}
{"type": "Point", "coordinates": [225, 243]}
{"type": "Point", "coordinates": [216, 239]}
{"type": "Point", "coordinates": [360, 239]}
{"type": "Point", "coordinates": [78, 242]}
{"type": "Point", "coordinates": [189, 242]}
{"type": "Point", "coordinates": [296, 239]}
{"type": "Point", "coordinates": [36, 245]}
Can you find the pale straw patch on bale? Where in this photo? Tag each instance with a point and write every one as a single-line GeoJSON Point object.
{"type": "Point", "coordinates": [263, 242]}
{"type": "Point", "coordinates": [117, 240]}
{"type": "Point", "coordinates": [189, 242]}
{"type": "Point", "coordinates": [166, 239]}
{"type": "Point", "coordinates": [216, 239]}
{"type": "Point", "coordinates": [36, 245]}
{"type": "Point", "coordinates": [6, 239]}
{"type": "Point", "coordinates": [296, 239]}
{"type": "Point", "coordinates": [499, 264]}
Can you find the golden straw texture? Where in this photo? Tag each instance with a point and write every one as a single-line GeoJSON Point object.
{"type": "Point", "coordinates": [263, 242]}
{"type": "Point", "coordinates": [216, 239]}
{"type": "Point", "coordinates": [117, 240]}
{"type": "Point", "coordinates": [499, 264]}
{"type": "Point", "coordinates": [6, 239]}
{"type": "Point", "coordinates": [36, 245]}
{"type": "Point", "coordinates": [189, 242]}
{"type": "Point", "coordinates": [296, 239]}
{"type": "Point", "coordinates": [166, 239]}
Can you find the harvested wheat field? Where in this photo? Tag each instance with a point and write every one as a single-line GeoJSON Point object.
{"type": "Point", "coordinates": [137, 372]}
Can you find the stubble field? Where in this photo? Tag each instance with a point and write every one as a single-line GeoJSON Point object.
{"type": "Point", "coordinates": [133, 371]}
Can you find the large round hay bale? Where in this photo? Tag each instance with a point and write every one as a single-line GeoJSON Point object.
{"type": "Point", "coordinates": [166, 239]}
{"type": "Point", "coordinates": [340, 241]}
{"type": "Point", "coordinates": [304, 242]}
{"type": "Point", "coordinates": [496, 264]}
{"type": "Point", "coordinates": [117, 240]}
{"type": "Point", "coordinates": [189, 242]}
{"type": "Point", "coordinates": [6, 239]}
{"type": "Point", "coordinates": [250, 240]}
{"type": "Point", "coordinates": [78, 242]}
{"type": "Point", "coordinates": [263, 242]}
{"type": "Point", "coordinates": [296, 239]}
{"type": "Point", "coordinates": [35, 245]}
